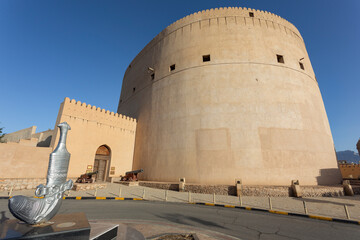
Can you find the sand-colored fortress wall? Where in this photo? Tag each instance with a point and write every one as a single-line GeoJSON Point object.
{"type": "Point", "coordinates": [41, 139]}
{"type": "Point", "coordinates": [19, 156]}
{"type": "Point", "coordinates": [350, 171]}
{"type": "Point", "coordinates": [26, 133]}
{"type": "Point", "coordinates": [253, 111]}
{"type": "Point", "coordinates": [92, 127]}
{"type": "Point", "coordinates": [23, 161]}
{"type": "Point", "coordinates": [44, 138]}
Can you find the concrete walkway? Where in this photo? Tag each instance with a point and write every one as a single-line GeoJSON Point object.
{"type": "Point", "coordinates": [323, 206]}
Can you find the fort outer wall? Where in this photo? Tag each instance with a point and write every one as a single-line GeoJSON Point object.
{"type": "Point", "coordinates": [22, 160]}
{"type": "Point", "coordinates": [41, 139]}
{"type": "Point", "coordinates": [350, 171]}
{"type": "Point", "coordinates": [26, 133]}
{"type": "Point", "coordinates": [92, 127]}
{"type": "Point", "coordinates": [243, 114]}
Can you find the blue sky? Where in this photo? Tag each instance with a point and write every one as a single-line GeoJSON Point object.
{"type": "Point", "coordinates": [50, 50]}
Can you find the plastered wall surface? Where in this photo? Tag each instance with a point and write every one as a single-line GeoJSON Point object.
{"type": "Point", "coordinates": [21, 134]}
{"type": "Point", "coordinates": [350, 171]}
{"type": "Point", "coordinates": [44, 138]}
{"type": "Point", "coordinates": [92, 127]}
{"type": "Point", "coordinates": [21, 161]}
{"type": "Point", "coordinates": [41, 139]}
{"type": "Point", "coordinates": [242, 114]}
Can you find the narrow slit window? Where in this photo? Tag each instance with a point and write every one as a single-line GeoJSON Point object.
{"type": "Point", "coordinates": [152, 76]}
{"type": "Point", "coordinates": [251, 14]}
{"type": "Point", "coordinates": [206, 58]}
{"type": "Point", "coordinates": [301, 65]}
{"type": "Point", "coordinates": [280, 58]}
{"type": "Point", "coordinates": [120, 100]}
{"type": "Point", "coordinates": [134, 90]}
{"type": "Point", "coordinates": [172, 67]}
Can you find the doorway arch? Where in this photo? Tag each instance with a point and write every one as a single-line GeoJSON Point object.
{"type": "Point", "coordinates": [102, 163]}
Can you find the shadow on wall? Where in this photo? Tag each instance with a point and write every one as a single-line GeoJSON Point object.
{"type": "Point", "coordinates": [329, 176]}
{"type": "Point", "coordinates": [174, 187]}
{"type": "Point", "coordinates": [232, 191]}
{"type": "Point", "coordinates": [45, 143]}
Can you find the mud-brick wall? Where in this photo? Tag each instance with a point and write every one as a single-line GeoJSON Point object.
{"type": "Point", "coordinates": [20, 161]}
{"type": "Point", "coordinates": [21, 134]}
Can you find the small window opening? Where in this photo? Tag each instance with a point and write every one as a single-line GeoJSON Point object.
{"type": "Point", "coordinates": [152, 76]}
{"type": "Point", "coordinates": [301, 65]}
{"type": "Point", "coordinates": [172, 67]}
{"type": "Point", "coordinates": [251, 14]}
{"type": "Point", "coordinates": [130, 66]}
{"type": "Point", "coordinates": [134, 89]}
{"type": "Point", "coordinates": [120, 100]}
{"type": "Point", "coordinates": [206, 58]}
{"type": "Point", "coordinates": [280, 58]}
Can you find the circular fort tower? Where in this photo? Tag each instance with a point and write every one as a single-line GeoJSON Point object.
{"type": "Point", "coordinates": [229, 93]}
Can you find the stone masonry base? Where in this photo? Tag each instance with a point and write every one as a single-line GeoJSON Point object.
{"type": "Point", "coordinates": [272, 191]}
{"type": "Point", "coordinates": [88, 186]}
{"type": "Point", "coordinates": [6, 184]}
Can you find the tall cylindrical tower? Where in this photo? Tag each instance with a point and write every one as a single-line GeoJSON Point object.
{"type": "Point", "coordinates": [229, 93]}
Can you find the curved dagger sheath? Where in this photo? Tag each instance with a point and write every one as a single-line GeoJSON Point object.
{"type": "Point", "coordinates": [38, 210]}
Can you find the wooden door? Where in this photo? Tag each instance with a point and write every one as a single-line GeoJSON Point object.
{"type": "Point", "coordinates": [100, 166]}
{"type": "Point", "coordinates": [102, 163]}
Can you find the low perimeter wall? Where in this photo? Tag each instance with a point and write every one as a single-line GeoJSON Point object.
{"type": "Point", "coordinates": [271, 191]}
{"type": "Point", "coordinates": [20, 183]}
{"type": "Point", "coordinates": [6, 184]}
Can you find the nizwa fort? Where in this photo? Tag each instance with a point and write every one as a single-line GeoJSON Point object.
{"type": "Point", "coordinates": [219, 95]}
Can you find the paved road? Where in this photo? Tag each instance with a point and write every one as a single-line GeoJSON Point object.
{"type": "Point", "coordinates": [235, 222]}
{"type": "Point", "coordinates": [322, 206]}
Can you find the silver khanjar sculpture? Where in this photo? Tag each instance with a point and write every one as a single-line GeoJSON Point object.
{"type": "Point", "coordinates": [39, 210]}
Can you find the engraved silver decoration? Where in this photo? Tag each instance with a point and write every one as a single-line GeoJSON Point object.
{"type": "Point", "coordinates": [39, 210]}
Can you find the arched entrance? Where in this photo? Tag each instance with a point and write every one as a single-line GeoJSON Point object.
{"type": "Point", "coordinates": [102, 163]}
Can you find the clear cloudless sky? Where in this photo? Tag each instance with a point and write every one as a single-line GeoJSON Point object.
{"type": "Point", "coordinates": [80, 49]}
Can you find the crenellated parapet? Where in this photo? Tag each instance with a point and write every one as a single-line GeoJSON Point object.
{"type": "Point", "coordinates": [222, 17]}
{"type": "Point", "coordinates": [89, 113]}
{"type": "Point", "coordinates": [230, 12]}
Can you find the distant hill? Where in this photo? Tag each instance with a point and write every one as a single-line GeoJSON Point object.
{"type": "Point", "coordinates": [348, 156]}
